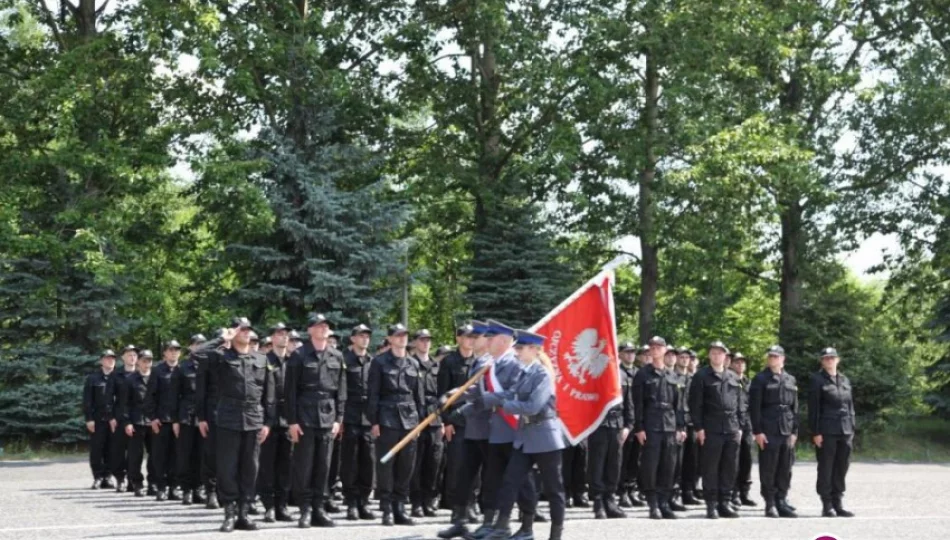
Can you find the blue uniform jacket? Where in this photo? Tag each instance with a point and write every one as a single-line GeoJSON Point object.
{"type": "Point", "coordinates": [508, 371]}
{"type": "Point", "coordinates": [533, 398]}
{"type": "Point", "coordinates": [477, 419]}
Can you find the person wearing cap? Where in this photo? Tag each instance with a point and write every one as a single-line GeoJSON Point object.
{"type": "Point", "coordinates": [276, 459]}
{"type": "Point", "coordinates": [244, 412]}
{"type": "Point", "coordinates": [188, 448]}
{"type": "Point", "coordinates": [689, 461]}
{"type": "Point", "coordinates": [134, 421]}
{"type": "Point", "coordinates": [740, 495]}
{"type": "Point", "coordinates": [315, 393]}
{"type": "Point", "coordinates": [713, 407]}
{"type": "Point", "coordinates": [333, 339]}
{"type": "Point", "coordinates": [118, 445]}
{"type": "Point", "coordinates": [454, 371]}
{"type": "Point", "coordinates": [538, 441]}
{"type": "Point", "coordinates": [658, 426]}
{"type": "Point", "coordinates": [773, 409]}
{"type": "Point", "coordinates": [358, 466]}
{"type": "Point", "coordinates": [294, 341]}
{"type": "Point", "coordinates": [200, 350]}
{"type": "Point", "coordinates": [430, 446]}
{"type": "Point", "coordinates": [831, 420]}
{"type": "Point", "coordinates": [605, 452]}
{"type": "Point", "coordinates": [643, 357]}
{"type": "Point", "coordinates": [630, 467]}
{"type": "Point", "coordinates": [396, 400]}
{"type": "Point", "coordinates": [162, 408]}
{"type": "Point", "coordinates": [441, 353]}
{"type": "Point", "coordinates": [255, 341]}
{"type": "Point", "coordinates": [98, 403]}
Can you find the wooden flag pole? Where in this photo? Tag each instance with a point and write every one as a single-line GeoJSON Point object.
{"type": "Point", "coordinates": [431, 418]}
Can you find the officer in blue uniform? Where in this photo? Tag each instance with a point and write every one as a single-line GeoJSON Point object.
{"type": "Point", "coordinates": [538, 441]}
{"type": "Point", "coordinates": [476, 442]}
{"type": "Point", "coordinates": [831, 420]}
{"type": "Point", "coordinates": [507, 370]}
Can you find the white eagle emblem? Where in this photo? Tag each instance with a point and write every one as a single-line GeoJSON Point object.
{"type": "Point", "coordinates": [588, 357]}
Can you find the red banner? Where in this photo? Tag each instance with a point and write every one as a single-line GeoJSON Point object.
{"type": "Point", "coordinates": [582, 343]}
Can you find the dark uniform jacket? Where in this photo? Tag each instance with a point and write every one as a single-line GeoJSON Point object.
{"type": "Point", "coordinates": [622, 415]}
{"type": "Point", "coordinates": [206, 408]}
{"type": "Point", "coordinates": [245, 390]}
{"type": "Point", "coordinates": [429, 372]}
{"type": "Point", "coordinates": [745, 422]}
{"type": "Point", "coordinates": [315, 389]}
{"type": "Point", "coordinates": [773, 403]}
{"type": "Point", "coordinates": [657, 401]}
{"type": "Point", "coordinates": [98, 396]}
{"type": "Point", "coordinates": [830, 405]}
{"type": "Point", "coordinates": [162, 400]}
{"type": "Point", "coordinates": [683, 382]}
{"type": "Point", "coordinates": [185, 383]}
{"type": "Point", "coordinates": [278, 367]}
{"type": "Point", "coordinates": [132, 400]}
{"type": "Point", "coordinates": [396, 393]}
{"type": "Point", "coordinates": [453, 372]}
{"type": "Point", "coordinates": [714, 401]}
{"type": "Point", "coordinates": [357, 388]}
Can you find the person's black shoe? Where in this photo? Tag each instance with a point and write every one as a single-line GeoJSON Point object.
{"type": "Point", "coordinates": [471, 515]}
{"type": "Point", "coordinates": [711, 511]}
{"type": "Point", "coordinates": [252, 509]}
{"type": "Point", "coordinates": [689, 500]}
{"type": "Point", "coordinates": [624, 500]}
{"type": "Point", "coordinates": [212, 503]}
{"type": "Point", "coordinates": [107, 484]}
{"type": "Point", "coordinates": [281, 514]}
{"type": "Point", "coordinates": [321, 519]}
{"type": "Point", "coordinates": [198, 496]}
{"type": "Point", "coordinates": [417, 511]}
{"type": "Point", "coordinates": [599, 509]}
{"type": "Point", "coordinates": [667, 512]}
{"type": "Point", "coordinates": [387, 517]}
{"type": "Point", "coordinates": [186, 498]}
{"type": "Point", "coordinates": [458, 528]}
{"type": "Point", "coordinates": [351, 513]}
{"type": "Point", "coordinates": [556, 532]}
{"type": "Point", "coordinates": [539, 516]}
{"type": "Point", "coordinates": [428, 509]}
{"type": "Point", "coordinates": [152, 491]}
{"type": "Point", "coordinates": [784, 502]}
{"type": "Point", "coordinates": [399, 515]}
{"type": "Point", "coordinates": [174, 494]}
{"type": "Point", "coordinates": [501, 530]}
{"type": "Point", "coordinates": [120, 486]}
{"type": "Point", "coordinates": [744, 499]}
{"type": "Point", "coordinates": [331, 508]}
{"type": "Point", "coordinates": [486, 527]}
{"type": "Point", "coordinates": [568, 501]}
{"type": "Point", "coordinates": [827, 510]}
{"type": "Point", "coordinates": [770, 511]}
{"type": "Point", "coordinates": [162, 495]}
{"type": "Point", "coordinates": [839, 509]}
{"type": "Point", "coordinates": [636, 500]}
{"type": "Point", "coordinates": [526, 532]}
{"type": "Point", "coordinates": [139, 492]}
{"type": "Point", "coordinates": [655, 513]}
{"type": "Point", "coordinates": [364, 511]}
{"type": "Point", "coordinates": [230, 516]}
{"type": "Point", "coordinates": [269, 516]}
{"type": "Point", "coordinates": [243, 522]}
{"type": "Point", "coordinates": [675, 506]}
{"type": "Point", "coordinates": [580, 501]}
{"type": "Point", "coordinates": [612, 510]}
{"type": "Point", "coordinates": [95, 484]}
{"type": "Point", "coordinates": [304, 521]}
{"type": "Point", "coordinates": [726, 511]}
{"type": "Point", "coordinates": [129, 488]}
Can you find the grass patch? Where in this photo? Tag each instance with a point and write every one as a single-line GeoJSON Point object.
{"type": "Point", "coordinates": [21, 450]}
{"type": "Point", "coordinates": [906, 440]}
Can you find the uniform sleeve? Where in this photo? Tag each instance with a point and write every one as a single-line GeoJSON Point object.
{"type": "Point", "coordinates": [854, 418]}
{"type": "Point", "coordinates": [87, 405]}
{"type": "Point", "coordinates": [696, 397]}
{"type": "Point", "coordinates": [291, 377]}
{"type": "Point", "coordinates": [814, 405]}
{"type": "Point", "coordinates": [151, 396]}
{"type": "Point", "coordinates": [639, 403]}
{"type": "Point", "coordinates": [205, 354]}
{"type": "Point", "coordinates": [795, 419]}
{"type": "Point", "coordinates": [443, 383]}
{"type": "Point", "coordinates": [269, 397]}
{"type": "Point", "coordinates": [373, 384]}
{"type": "Point", "coordinates": [420, 392]}
{"type": "Point", "coordinates": [755, 405]}
{"type": "Point", "coordinates": [681, 408]}
{"type": "Point", "coordinates": [540, 395]}
{"type": "Point", "coordinates": [629, 416]}
{"type": "Point", "coordinates": [175, 388]}
{"type": "Point", "coordinates": [122, 407]}
{"type": "Point", "coordinates": [341, 393]}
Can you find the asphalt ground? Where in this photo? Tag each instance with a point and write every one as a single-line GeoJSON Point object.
{"type": "Point", "coordinates": [51, 501]}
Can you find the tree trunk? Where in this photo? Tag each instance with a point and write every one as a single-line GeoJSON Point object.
{"type": "Point", "coordinates": [649, 266]}
{"type": "Point", "coordinates": [791, 245]}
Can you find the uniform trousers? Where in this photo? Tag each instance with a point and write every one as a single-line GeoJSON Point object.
{"type": "Point", "coordinates": [209, 469]}
{"type": "Point", "coordinates": [834, 458]}
{"type": "Point", "coordinates": [238, 455]}
{"type": "Point", "coordinates": [163, 445]}
{"type": "Point", "coordinates": [358, 465]}
{"type": "Point", "coordinates": [630, 468]}
{"type": "Point", "coordinates": [657, 464]}
{"type": "Point", "coordinates": [274, 474]}
{"type": "Point", "coordinates": [393, 478]}
{"type": "Point", "coordinates": [139, 443]}
{"type": "Point", "coordinates": [311, 467]}
{"type": "Point", "coordinates": [429, 456]}
{"type": "Point", "coordinates": [188, 457]}
{"type": "Point", "coordinates": [574, 468]}
{"type": "Point", "coordinates": [720, 459]}
{"type": "Point", "coordinates": [775, 467]}
{"type": "Point", "coordinates": [119, 454]}
{"type": "Point", "coordinates": [744, 474]}
{"type": "Point", "coordinates": [604, 459]}
{"type": "Point", "coordinates": [99, 442]}
{"type": "Point", "coordinates": [517, 475]}
{"type": "Point", "coordinates": [499, 455]}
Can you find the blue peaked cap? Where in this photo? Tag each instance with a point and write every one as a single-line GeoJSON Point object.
{"type": "Point", "coordinates": [479, 328]}
{"type": "Point", "coordinates": [523, 337]}
{"type": "Point", "coordinates": [496, 328]}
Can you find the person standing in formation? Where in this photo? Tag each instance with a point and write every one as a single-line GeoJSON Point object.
{"type": "Point", "coordinates": [98, 403]}
{"type": "Point", "coordinates": [630, 468]}
{"type": "Point", "coordinates": [273, 477]}
{"type": "Point", "coordinates": [135, 423]}
{"type": "Point", "coordinates": [831, 420]}
{"type": "Point", "coordinates": [740, 495]}
{"type": "Point", "coordinates": [185, 427]}
{"type": "Point", "coordinates": [358, 467]}
{"type": "Point", "coordinates": [118, 446]}
{"type": "Point", "coordinates": [424, 488]}
{"type": "Point", "coordinates": [162, 405]}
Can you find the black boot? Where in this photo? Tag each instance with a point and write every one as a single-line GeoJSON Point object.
{"type": "Point", "coordinates": [580, 501]}
{"type": "Point", "coordinates": [625, 500]}
{"type": "Point", "coordinates": [556, 531]}
{"type": "Point", "coordinates": [428, 508]}
{"type": "Point", "coordinates": [106, 483]}
{"type": "Point", "coordinates": [161, 495]}
{"type": "Point", "coordinates": [485, 529]}
{"type": "Point", "coordinates": [784, 510]}
{"type": "Point", "coordinates": [568, 500]}
{"type": "Point", "coordinates": [174, 494]}
{"type": "Point", "coordinates": [458, 528]}
{"type": "Point", "coordinates": [119, 486]}
{"type": "Point", "coordinates": [725, 510]}
{"type": "Point", "coordinates": [665, 510]}
{"type": "Point", "coordinates": [471, 515]}
{"type": "Point", "coordinates": [212, 503]}
{"type": "Point", "coordinates": [281, 513]}
{"type": "Point", "coordinates": [826, 509]}
{"type": "Point", "coordinates": [186, 498]}
{"type": "Point", "coordinates": [770, 511]}
{"type": "Point", "coordinates": [539, 516]}
{"type": "Point", "coordinates": [416, 511]}
{"type": "Point", "coordinates": [839, 509]}
{"type": "Point", "coordinates": [399, 515]}
{"type": "Point", "coordinates": [330, 507]}
{"type": "Point", "coordinates": [744, 499]}
{"type": "Point", "coordinates": [139, 491]}
{"type": "Point", "coordinates": [151, 491]}
{"type": "Point", "coordinates": [636, 500]}
{"type": "Point", "coordinates": [526, 532]}
{"type": "Point", "coordinates": [198, 496]}
{"type": "Point", "coordinates": [654, 507]}
{"type": "Point", "coordinates": [501, 530]}
{"type": "Point", "coordinates": [304, 521]}
{"type": "Point", "coordinates": [364, 511]}
{"type": "Point", "coordinates": [611, 509]}
{"type": "Point", "coordinates": [676, 506]}
{"type": "Point", "coordinates": [387, 508]}
{"type": "Point", "coordinates": [269, 516]}
{"type": "Point", "coordinates": [95, 483]}
{"type": "Point", "coordinates": [230, 515]}
{"type": "Point", "coordinates": [599, 509]}
{"type": "Point", "coordinates": [244, 523]}
{"type": "Point", "coordinates": [319, 518]}
{"type": "Point", "coordinates": [784, 501]}
{"type": "Point", "coordinates": [352, 514]}
{"type": "Point", "coordinates": [711, 510]}
{"type": "Point", "coordinates": [689, 499]}
{"type": "Point", "coordinates": [734, 500]}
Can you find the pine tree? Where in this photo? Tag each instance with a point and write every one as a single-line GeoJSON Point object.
{"type": "Point", "coordinates": [517, 272]}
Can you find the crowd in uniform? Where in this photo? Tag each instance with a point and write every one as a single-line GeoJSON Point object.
{"type": "Point", "coordinates": [290, 420]}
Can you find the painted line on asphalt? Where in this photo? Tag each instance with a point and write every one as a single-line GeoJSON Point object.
{"type": "Point", "coordinates": [86, 526]}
